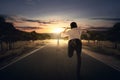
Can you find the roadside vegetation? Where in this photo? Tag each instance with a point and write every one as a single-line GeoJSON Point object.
{"type": "Point", "coordinates": [105, 42]}
{"type": "Point", "coordinates": [14, 42]}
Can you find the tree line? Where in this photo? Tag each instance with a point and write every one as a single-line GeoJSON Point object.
{"type": "Point", "coordinates": [112, 34]}
{"type": "Point", "coordinates": [9, 34]}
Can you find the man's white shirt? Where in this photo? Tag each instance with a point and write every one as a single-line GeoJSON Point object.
{"type": "Point", "coordinates": [74, 33]}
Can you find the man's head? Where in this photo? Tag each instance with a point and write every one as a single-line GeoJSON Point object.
{"type": "Point", "coordinates": [73, 25]}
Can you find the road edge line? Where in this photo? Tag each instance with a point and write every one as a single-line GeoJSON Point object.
{"type": "Point", "coordinates": [112, 66]}
{"type": "Point", "coordinates": [22, 57]}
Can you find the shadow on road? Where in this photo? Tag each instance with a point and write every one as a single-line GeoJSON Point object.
{"type": "Point", "coordinates": [78, 67]}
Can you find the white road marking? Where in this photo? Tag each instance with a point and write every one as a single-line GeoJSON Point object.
{"type": "Point", "coordinates": [22, 57]}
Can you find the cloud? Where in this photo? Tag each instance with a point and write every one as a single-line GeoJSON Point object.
{"type": "Point", "coordinates": [28, 28]}
{"type": "Point", "coordinates": [38, 21]}
{"type": "Point", "coordinates": [11, 18]}
{"type": "Point", "coordinates": [20, 19]}
{"type": "Point", "coordinates": [98, 28]}
{"type": "Point", "coordinates": [106, 19]}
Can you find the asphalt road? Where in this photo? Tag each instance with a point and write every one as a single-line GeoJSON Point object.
{"type": "Point", "coordinates": [52, 63]}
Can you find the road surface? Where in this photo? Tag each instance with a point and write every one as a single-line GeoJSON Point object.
{"type": "Point", "coordinates": [52, 63]}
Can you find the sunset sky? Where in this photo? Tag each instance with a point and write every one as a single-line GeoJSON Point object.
{"type": "Point", "coordinates": [44, 16]}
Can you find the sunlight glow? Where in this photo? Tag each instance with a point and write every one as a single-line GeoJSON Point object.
{"type": "Point", "coordinates": [58, 30]}
{"type": "Point", "coordinates": [54, 42]}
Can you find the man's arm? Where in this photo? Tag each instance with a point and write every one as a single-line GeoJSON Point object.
{"type": "Point", "coordinates": [63, 34]}
{"type": "Point", "coordinates": [65, 30]}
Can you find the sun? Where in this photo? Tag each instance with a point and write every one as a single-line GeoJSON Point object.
{"type": "Point", "coordinates": [58, 30]}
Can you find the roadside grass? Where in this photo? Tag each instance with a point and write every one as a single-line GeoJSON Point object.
{"type": "Point", "coordinates": [20, 49]}
{"type": "Point", "coordinates": [104, 51]}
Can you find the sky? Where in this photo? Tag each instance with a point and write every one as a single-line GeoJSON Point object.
{"type": "Point", "coordinates": [44, 16]}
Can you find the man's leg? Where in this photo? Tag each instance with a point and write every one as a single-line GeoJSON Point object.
{"type": "Point", "coordinates": [70, 49]}
{"type": "Point", "coordinates": [78, 51]}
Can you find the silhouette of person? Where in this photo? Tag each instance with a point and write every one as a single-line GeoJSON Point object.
{"type": "Point", "coordinates": [74, 43]}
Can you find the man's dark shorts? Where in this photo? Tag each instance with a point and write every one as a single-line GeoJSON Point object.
{"type": "Point", "coordinates": [74, 44]}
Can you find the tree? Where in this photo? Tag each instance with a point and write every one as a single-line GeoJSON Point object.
{"type": "Point", "coordinates": [9, 34]}
{"type": "Point", "coordinates": [97, 36]}
{"type": "Point", "coordinates": [114, 33]}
